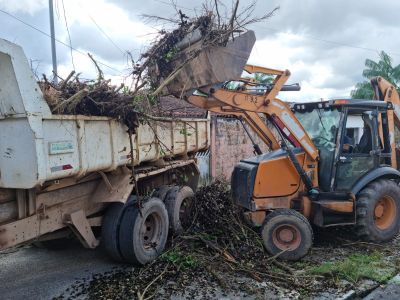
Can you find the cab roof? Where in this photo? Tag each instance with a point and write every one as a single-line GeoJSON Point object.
{"type": "Point", "coordinates": [356, 103]}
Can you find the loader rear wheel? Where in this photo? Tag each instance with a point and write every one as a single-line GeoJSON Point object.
{"type": "Point", "coordinates": [143, 233]}
{"type": "Point", "coordinates": [288, 232]}
{"type": "Point", "coordinates": [378, 208]}
{"type": "Point", "coordinates": [179, 203]}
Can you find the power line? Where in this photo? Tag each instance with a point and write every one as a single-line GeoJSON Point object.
{"type": "Point", "coordinates": [310, 37]}
{"type": "Point", "coordinates": [69, 35]}
{"type": "Point", "coordinates": [57, 40]}
{"type": "Point", "coordinates": [172, 4]}
{"type": "Point", "coordinates": [102, 31]}
{"type": "Point", "coordinates": [349, 45]}
{"type": "Point", "coordinates": [106, 35]}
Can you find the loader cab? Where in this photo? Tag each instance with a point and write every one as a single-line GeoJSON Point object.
{"type": "Point", "coordinates": [351, 137]}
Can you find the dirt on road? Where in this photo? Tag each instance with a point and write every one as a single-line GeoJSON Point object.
{"type": "Point", "coordinates": [218, 257]}
{"type": "Point", "coordinates": [221, 256]}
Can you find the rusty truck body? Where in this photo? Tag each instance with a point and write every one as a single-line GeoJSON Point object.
{"type": "Point", "coordinates": [62, 173]}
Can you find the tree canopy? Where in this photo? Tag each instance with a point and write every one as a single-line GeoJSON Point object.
{"type": "Point", "coordinates": [384, 68]}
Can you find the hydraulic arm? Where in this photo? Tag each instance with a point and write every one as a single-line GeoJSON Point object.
{"type": "Point", "coordinates": [246, 104]}
{"type": "Point", "coordinates": [385, 91]}
{"type": "Point", "coordinates": [250, 99]}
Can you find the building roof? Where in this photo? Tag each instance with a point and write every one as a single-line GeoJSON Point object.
{"type": "Point", "coordinates": [179, 108]}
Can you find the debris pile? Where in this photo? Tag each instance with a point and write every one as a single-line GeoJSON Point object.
{"type": "Point", "coordinates": [153, 70]}
{"type": "Point", "coordinates": [73, 96]}
{"type": "Point", "coordinates": [220, 256]}
{"type": "Point", "coordinates": [216, 250]}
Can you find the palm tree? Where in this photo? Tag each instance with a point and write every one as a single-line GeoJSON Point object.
{"type": "Point", "coordinates": [264, 78]}
{"type": "Point", "coordinates": [363, 90]}
{"type": "Point", "coordinates": [384, 68]}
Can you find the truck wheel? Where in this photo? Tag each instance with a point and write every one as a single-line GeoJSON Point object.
{"type": "Point", "coordinates": [143, 234]}
{"type": "Point", "coordinates": [162, 192]}
{"type": "Point", "coordinates": [110, 229]}
{"type": "Point", "coordinates": [377, 209]}
{"type": "Point", "coordinates": [179, 203]}
{"type": "Point", "coordinates": [285, 229]}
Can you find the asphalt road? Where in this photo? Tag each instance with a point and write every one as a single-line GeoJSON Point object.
{"type": "Point", "coordinates": [35, 273]}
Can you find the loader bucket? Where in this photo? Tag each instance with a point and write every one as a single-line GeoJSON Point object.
{"type": "Point", "coordinates": [213, 65]}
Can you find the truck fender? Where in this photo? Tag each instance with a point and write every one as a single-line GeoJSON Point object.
{"type": "Point", "coordinates": [382, 172]}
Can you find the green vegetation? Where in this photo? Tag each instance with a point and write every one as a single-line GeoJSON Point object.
{"type": "Point", "coordinates": [264, 78]}
{"type": "Point", "coordinates": [185, 132]}
{"type": "Point", "coordinates": [383, 68]}
{"type": "Point", "coordinates": [356, 267]}
{"type": "Point", "coordinates": [180, 260]}
{"type": "Point", "coordinates": [171, 54]}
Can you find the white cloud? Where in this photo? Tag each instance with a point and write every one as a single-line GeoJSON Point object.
{"type": "Point", "coordinates": [24, 6]}
{"type": "Point", "coordinates": [296, 38]}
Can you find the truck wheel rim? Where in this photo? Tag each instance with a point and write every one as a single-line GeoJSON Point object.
{"type": "Point", "coordinates": [150, 231]}
{"type": "Point", "coordinates": [286, 236]}
{"type": "Point", "coordinates": [385, 212]}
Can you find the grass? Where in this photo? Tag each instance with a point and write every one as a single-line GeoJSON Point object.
{"type": "Point", "coordinates": [358, 266]}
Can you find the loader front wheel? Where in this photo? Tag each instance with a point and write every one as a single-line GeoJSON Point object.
{"type": "Point", "coordinates": [143, 232]}
{"type": "Point", "coordinates": [378, 208]}
{"type": "Point", "coordinates": [287, 233]}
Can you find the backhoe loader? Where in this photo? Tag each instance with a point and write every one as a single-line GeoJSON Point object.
{"type": "Point", "coordinates": [318, 170]}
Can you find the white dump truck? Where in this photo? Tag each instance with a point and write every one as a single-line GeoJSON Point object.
{"type": "Point", "coordinates": [70, 174]}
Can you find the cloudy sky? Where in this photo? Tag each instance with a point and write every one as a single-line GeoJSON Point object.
{"type": "Point", "coordinates": [323, 43]}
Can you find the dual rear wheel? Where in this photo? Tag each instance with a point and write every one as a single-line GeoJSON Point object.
{"type": "Point", "coordinates": [138, 236]}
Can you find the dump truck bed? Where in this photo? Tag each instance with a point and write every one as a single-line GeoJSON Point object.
{"type": "Point", "coordinates": [78, 145]}
{"type": "Point", "coordinates": [37, 146]}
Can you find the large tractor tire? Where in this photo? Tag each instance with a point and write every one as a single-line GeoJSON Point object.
{"type": "Point", "coordinates": [288, 232]}
{"type": "Point", "coordinates": [179, 203]}
{"type": "Point", "coordinates": [110, 230]}
{"type": "Point", "coordinates": [377, 209]}
{"type": "Point", "coordinates": [143, 233]}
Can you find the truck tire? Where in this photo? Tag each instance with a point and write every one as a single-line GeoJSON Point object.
{"type": "Point", "coordinates": [377, 211]}
{"type": "Point", "coordinates": [110, 230]}
{"type": "Point", "coordinates": [284, 229]}
{"type": "Point", "coordinates": [143, 233]}
{"type": "Point", "coordinates": [162, 192]}
{"type": "Point", "coordinates": [179, 203]}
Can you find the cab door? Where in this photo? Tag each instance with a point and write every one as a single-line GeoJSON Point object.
{"type": "Point", "coordinates": [359, 148]}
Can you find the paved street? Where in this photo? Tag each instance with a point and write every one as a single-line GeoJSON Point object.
{"type": "Point", "coordinates": [34, 273]}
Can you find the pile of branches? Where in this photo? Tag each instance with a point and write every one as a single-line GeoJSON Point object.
{"type": "Point", "coordinates": [72, 96]}
{"type": "Point", "coordinates": [156, 66]}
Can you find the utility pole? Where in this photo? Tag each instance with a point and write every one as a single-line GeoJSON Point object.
{"type": "Point", "coordinates": [53, 42]}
